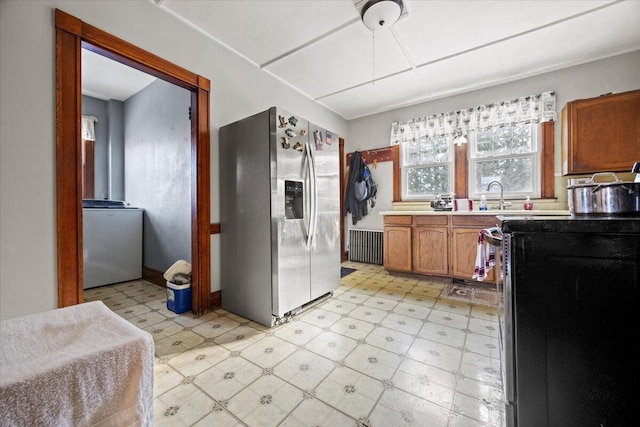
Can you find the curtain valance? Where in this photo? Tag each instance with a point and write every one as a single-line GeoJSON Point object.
{"type": "Point", "coordinates": [526, 109]}
{"type": "Point", "coordinates": [88, 129]}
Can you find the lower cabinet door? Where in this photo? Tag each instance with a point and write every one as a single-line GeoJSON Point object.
{"type": "Point", "coordinates": [431, 251]}
{"type": "Point", "coordinates": [397, 248]}
{"type": "Point", "coordinates": [464, 242]}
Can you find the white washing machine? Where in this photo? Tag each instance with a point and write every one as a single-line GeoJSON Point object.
{"type": "Point", "coordinates": [112, 248]}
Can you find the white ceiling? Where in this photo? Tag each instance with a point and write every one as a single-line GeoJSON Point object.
{"type": "Point", "coordinates": [106, 79]}
{"type": "Point", "coordinates": [437, 49]}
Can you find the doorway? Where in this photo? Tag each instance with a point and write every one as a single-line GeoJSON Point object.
{"type": "Point", "coordinates": [71, 36]}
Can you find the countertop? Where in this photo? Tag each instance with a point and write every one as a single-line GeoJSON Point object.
{"type": "Point", "coordinates": [493, 212]}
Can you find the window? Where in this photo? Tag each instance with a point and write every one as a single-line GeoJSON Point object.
{"type": "Point", "coordinates": [427, 167]}
{"type": "Point", "coordinates": [507, 142]}
{"type": "Point", "coordinates": [509, 154]}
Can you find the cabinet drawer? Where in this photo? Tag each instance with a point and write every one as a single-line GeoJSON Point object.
{"type": "Point", "coordinates": [431, 220]}
{"type": "Point", "coordinates": [397, 219]}
{"type": "Point", "coordinates": [480, 221]}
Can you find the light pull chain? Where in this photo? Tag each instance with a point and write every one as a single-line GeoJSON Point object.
{"type": "Point", "coordinates": [373, 57]}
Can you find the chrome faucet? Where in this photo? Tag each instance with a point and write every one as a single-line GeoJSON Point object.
{"type": "Point", "coordinates": [502, 204]}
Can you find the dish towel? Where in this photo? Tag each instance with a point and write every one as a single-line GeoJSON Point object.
{"type": "Point", "coordinates": [485, 258]}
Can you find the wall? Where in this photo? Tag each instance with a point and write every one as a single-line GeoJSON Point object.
{"type": "Point", "coordinates": [616, 74]}
{"type": "Point", "coordinates": [157, 177]}
{"type": "Point", "coordinates": [98, 108]}
{"type": "Point", "coordinates": [108, 147]}
{"type": "Point", "coordinates": [115, 113]}
{"type": "Point", "coordinates": [28, 278]}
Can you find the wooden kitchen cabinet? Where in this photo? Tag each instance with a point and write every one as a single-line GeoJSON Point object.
{"type": "Point", "coordinates": [601, 134]}
{"type": "Point", "coordinates": [417, 244]}
{"type": "Point", "coordinates": [435, 245]}
{"type": "Point", "coordinates": [431, 245]}
{"type": "Point", "coordinates": [464, 245]}
{"type": "Point", "coordinates": [397, 243]}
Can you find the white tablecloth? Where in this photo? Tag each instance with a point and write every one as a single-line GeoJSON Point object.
{"type": "Point", "coordinates": [76, 366]}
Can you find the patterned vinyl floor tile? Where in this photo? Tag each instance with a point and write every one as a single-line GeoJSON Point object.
{"type": "Point", "coordinates": [384, 351]}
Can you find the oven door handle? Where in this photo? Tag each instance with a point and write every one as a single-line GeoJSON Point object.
{"type": "Point", "coordinates": [493, 236]}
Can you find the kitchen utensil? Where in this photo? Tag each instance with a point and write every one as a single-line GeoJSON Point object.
{"type": "Point", "coordinates": [617, 197]}
{"type": "Point", "coordinates": [442, 203]}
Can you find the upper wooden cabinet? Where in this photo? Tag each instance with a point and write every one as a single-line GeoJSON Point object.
{"type": "Point", "coordinates": [601, 134]}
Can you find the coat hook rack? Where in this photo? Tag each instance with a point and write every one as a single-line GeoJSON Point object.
{"type": "Point", "coordinates": [386, 154]}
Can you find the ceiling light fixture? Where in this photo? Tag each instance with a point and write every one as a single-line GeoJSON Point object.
{"type": "Point", "coordinates": [377, 14]}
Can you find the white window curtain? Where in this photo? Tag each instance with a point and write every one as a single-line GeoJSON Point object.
{"type": "Point", "coordinates": [88, 128]}
{"type": "Point", "coordinates": [526, 109]}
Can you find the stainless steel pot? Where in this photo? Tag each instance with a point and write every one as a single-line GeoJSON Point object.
{"type": "Point", "coordinates": [617, 197]}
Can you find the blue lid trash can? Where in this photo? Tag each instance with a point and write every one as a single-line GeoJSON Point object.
{"type": "Point", "coordinates": [179, 297]}
{"type": "Point", "coordinates": [178, 278]}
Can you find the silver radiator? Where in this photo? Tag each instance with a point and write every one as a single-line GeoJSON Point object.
{"type": "Point", "coordinates": [366, 246]}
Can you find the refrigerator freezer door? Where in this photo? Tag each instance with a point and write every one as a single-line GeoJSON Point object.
{"type": "Point", "coordinates": [290, 262]}
{"type": "Point", "coordinates": [325, 247]}
{"type": "Point", "coordinates": [245, 217]}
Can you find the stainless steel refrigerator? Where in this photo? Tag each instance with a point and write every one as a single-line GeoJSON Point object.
{"type": "Point", "coordinates": [279, 215]}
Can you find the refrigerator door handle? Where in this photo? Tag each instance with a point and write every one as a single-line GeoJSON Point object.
{"type": "Point", "coordinates": [314, 196]}
{"type": "Point", "coordinates": [306, 171]}
{"type": "Point", "coordinates": [308, 160]}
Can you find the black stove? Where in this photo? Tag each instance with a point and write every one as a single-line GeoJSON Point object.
{"type": "Point", "coordinates": [568, 320]}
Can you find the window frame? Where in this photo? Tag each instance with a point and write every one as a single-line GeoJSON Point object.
{"type": "Point", "coordinates": [537, 170]}
{"type": "Point", "coordinates": [547, 171]}
{"type": "Point", "coordinates": [405, 168]}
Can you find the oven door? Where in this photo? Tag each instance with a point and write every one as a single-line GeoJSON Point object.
{"type": "Point", "coordinates": [506, 319]}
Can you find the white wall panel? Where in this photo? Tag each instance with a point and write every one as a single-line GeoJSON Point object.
{"type": "Point", "coordinates": [342, 60]}
{"type": "Point", "coordinates": [378, 96]}
{"type": "Point", "coordinates": [28, 278]}
{"type": "Point", "coordinates": [438, 29]}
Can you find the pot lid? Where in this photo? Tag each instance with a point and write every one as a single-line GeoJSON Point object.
{"type": "Point", "coordinates": [593, 183]}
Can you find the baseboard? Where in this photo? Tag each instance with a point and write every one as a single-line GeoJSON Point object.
{"type": "Point", "coordinates": [215, 301]}
{"type": "Point", "coordinates": [153, 276]}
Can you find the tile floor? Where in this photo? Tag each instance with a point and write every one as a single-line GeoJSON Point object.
{"type": "Point", "coordinates": [384, 351]}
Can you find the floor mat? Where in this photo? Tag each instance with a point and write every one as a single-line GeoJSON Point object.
{"type": "Point", "coordinates": [481, 294]}
{"type": "Point", "coordinates": [346, 270]}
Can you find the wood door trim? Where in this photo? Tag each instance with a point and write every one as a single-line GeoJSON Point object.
{"type": "Point", "coordinates": [343, 253]}
{"type": "Point", "coordinates": [71, 35]}
{"type": "Point", "coordinates": [461, 170]}
{"type": "Point", "coordinates": [547, 184]}
{"type": "Point", "coordinates": [88, 167]}
{"type": "Point", "coordinates": [68, 167]}
{"type": "Point", "coordinates": [397, 190]}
